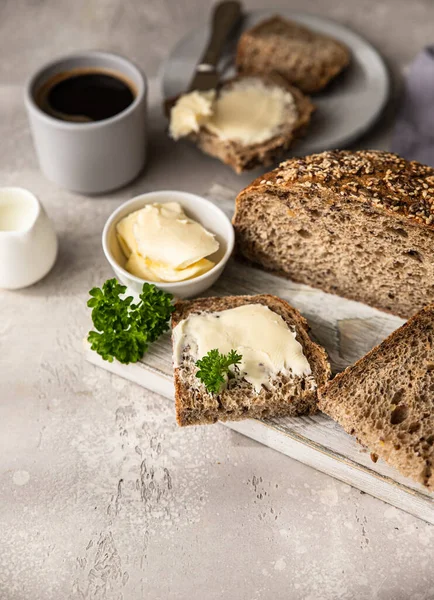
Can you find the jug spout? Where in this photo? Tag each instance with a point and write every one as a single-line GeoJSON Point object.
{"type": "Point", "coordinates": [19, 211]}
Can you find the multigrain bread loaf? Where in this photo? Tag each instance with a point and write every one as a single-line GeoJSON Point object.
{"type": "Point", "coordinates": [241, 157]}
{"type": "Point", "coordinates": [356, 224]}
{"type": "Point", "coordinates": [285, 396]}
{"type": "Point", "coordinates": [306, 59]}
{"type": "Point", "coordinates": [386, 399]}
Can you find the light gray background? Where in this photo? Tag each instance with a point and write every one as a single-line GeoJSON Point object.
{"type": "Point", "coordinates": [101, 495]}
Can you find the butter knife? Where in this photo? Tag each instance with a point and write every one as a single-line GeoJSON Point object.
{"type": "Point", "coordinates": [226, 16]}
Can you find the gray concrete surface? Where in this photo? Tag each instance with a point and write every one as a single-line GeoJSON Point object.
{"type": "Point", "coordinates": [101, 495]}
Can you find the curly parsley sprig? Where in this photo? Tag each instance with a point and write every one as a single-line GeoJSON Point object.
{"type": "Point", "coordinates": [125, 330]}
{"type": "Point", "coordinates": [214, 369]}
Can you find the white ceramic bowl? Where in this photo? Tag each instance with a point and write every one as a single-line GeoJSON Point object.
{"type": "Point", "coordinates": [203, 211]}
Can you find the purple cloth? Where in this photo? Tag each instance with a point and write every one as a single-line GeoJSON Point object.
{"type": "Point", "coordinates": [414, 130]}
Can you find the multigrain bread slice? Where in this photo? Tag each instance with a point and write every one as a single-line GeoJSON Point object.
{"type": "Point", "coordinates": [306, 59]}
{"type": "Point", "coordinates": [386, 399]}
{"type": "Point", "coordinates": [241, 157]}
{"type": "Point", "coordinates": [355, 224]}
{"type": "Point", "coordinates": [285, 396]}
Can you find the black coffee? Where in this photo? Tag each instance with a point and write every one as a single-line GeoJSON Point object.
{"type": "Point", "coordinates": [83, 95]}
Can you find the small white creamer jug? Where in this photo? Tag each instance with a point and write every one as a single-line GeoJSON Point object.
{"type": "Point", "coordinates": [28, 242]}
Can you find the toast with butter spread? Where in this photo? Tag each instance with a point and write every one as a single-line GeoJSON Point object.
{"type": "Point", "coordinates": [281, 393]}
{"type": "Point", "coordinates": [252, 122]}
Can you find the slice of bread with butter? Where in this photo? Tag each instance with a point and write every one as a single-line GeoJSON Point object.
{"type": "Point", "coordinates": [280, 367]}
{"type": "Point", "coordinates": [250, 121]}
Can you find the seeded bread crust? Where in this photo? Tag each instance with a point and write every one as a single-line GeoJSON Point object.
{"type": "Point", "coordinates": [306, 59]}
{"type": "Point", "coordinates": [243, 158]}
{"type": "Point", "coordinates": [286, 396]}
{"type": "Point", "coordinates": [384, 180]}
{"type": "Point", "coordinates": [386, 399]}
{"type": "Point", "coordinates": [356, 224]}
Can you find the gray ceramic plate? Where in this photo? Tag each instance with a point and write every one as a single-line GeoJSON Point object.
{"type": "Point", "coordinates": [345, 110]}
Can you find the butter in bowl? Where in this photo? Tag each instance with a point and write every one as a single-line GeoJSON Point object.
{"type": "Point", "coordinates": [176, 240]}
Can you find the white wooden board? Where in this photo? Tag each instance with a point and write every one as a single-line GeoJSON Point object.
{"type": "Point", "coordinates": [347, 330]}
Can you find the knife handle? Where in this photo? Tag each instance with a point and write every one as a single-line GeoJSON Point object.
{"type": "Point", "coordinates": [226, 15]}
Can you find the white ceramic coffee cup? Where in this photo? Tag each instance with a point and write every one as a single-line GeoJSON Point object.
{"type": "Point", "coordinates": [28, 242]}
{"type": "Point", "coordinates": [90, 157]}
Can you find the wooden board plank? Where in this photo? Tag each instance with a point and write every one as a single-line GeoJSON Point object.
{"type": "Point", "coordinates": [347, 330]}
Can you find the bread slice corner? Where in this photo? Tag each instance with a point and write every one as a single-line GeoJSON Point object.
{"type": "Point", "coordinates": [285, 396]}
{"type": "Point", "coordinates": [386, 399]}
